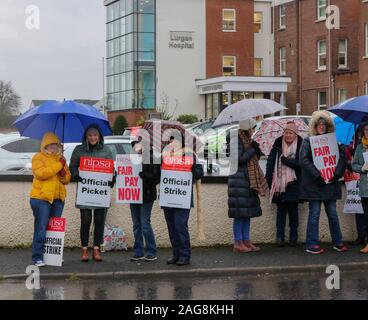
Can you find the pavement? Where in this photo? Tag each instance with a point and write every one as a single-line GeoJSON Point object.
{"type": "Point", "coordinates": [212, 262]}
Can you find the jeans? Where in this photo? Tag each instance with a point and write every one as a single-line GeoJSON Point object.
{"type": "Point", "coordinates": [313, 222]}
{"type": "Point", "coordinates": [283, 208]}
{"type": "Point", "coordinates": [177, 224]}
{"type": "Point", "coordinates": [99, 218]}
{"type": "Point", "coordinates": [141, 217]}
{"type": "Point", "coordinates": [241, 229]}
{"type": "Point", "coordinates": [42, 212]}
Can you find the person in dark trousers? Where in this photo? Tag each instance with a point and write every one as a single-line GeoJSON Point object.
{"type": "Point", "coordinates": [360, 165]}
{"type": "Point", "coordinates": [246, 183]}
{"type": "Point", "coordinates": [92, 146]}
{"type": "Point", "coordinates": [359, 218]}
{"type": "Point", "coordinates": [283, 177]}
{"type": "Point", "coordinates": [141, 213]}
{"type": "Point", "coordinates": [177, 218]}
{"type": "Point", "coordinates": [314, 189]}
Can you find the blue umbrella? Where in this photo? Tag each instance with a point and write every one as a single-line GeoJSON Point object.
{"type": "Point", "coordinates": [354, 110]}
{"type": "Point", "coordinates": [344, 130]}
{"type": "Point", "coordinates": [67, 119]}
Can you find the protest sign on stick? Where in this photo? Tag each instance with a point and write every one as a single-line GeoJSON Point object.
{"type": "Point", "coordinates": [54, 242]}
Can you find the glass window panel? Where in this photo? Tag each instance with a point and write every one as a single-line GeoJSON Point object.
{"type": "Point", "coordinates": [110, 66]}
{"type": "Point", "coordinates": [146, 56]}
{"type": "Point", "coordinates": [116, 9]}
{"type": "Point", "coordinates": [130, 103]}
{"type": "Point", "coordinates": [116, 63]}
{"type": "Point", "coordinates": [110, 48]}
{"type": "Point", "coordinates": [126, 25]}
{"type": "Point", "coordinates": [110, 12]}
{"type": "Point", "coordinates": [116, 47]}
{"type": "Point", "coordinates": [146, 23]}
{"type": "Point", "coordinates": [146, 6]}
{"type": "Point", "coordinates": [116, 83]}
{"type": "Point", "coordinates": [110, 30]}
{"type": "Point", "coordinates": [146, 42]}
{"type": "Point", "coordinates": [110, 84]}
{"type": "Point", "coordinates": [128, 6]}
{"type": "Point", "coordinates": [126, 43]}
{"type": "Point", "coordinates": [228, 20]}
{"type": "Point", "coordinates": [122, 82]}
{"type": "Point", "coordinates": [146, 98]}
{"type": "Point", "coordinates": [258, 18]}
{"type": "Point", "coordinates": [116, 28]}
{"type": "Point", "coordinates": [146, 79]}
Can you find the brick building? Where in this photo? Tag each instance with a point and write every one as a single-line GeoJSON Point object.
{"type": "Point", "coordinates": [323, 62]}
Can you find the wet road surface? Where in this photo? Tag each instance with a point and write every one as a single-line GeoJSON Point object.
{"type": "Point", "coordinates": [353, 285]}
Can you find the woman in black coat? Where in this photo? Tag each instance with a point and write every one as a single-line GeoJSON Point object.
{"type": "Point", "coordinates": [283, 159]}
{"type": "Point", "coordinates": [245, 185]}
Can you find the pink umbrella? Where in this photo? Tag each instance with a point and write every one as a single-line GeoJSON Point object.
{"type": "Point", "coordinates": [270, 130]}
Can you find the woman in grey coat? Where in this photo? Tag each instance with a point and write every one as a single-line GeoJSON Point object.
{"type": "Point", "coordinates": [92, 146]}
{"type": "Point", "coordinates": [360, 165]}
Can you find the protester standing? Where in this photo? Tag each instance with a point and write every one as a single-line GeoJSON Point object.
{"type": "Point", "coordinates": [245, 185]}
{"type": "Point", "coordinates": [360, 165]}
{"type": "Point", "coordinates": [283, 177]}
{"type": "Point", "coordinates": [92, 146]}
{"type": "Point", "coordinates": [50, 175]}
{"type": "Point", "coordinates": [315, 190]}
{"type": "Point", "coordinates": [141, 213]}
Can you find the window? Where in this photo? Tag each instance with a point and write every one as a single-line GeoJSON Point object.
{"type": "Point", "coordinates": [282, 16]}
{"type": "Point", "coordinates": [258, 67]}
{"type": "Point", "coordinates": [229, 66]}
{"type": "Point", "coordinates": [343, 95]}
{"type": "Point", "coordinates": [343, 53]}
{"type": "Point", "coordinates": [321, 9]}
{"type": "Point", "coordinates": [282, 61]}
{"type": "Point", "coordinates": [366, 39]}
{"type": "Point", "coordinates": [258, 20]}
{"type": "Point", "coordinates": [322, 100]}
{"type": "Point", "coordinates": [322, 55]}
{"type": "Point", "coordinates": [228, 20]}
{"type": "Point", "coordinates": [23, 146]}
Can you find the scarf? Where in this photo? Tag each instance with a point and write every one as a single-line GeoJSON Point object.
{"type": "Point", "coordinates": [256, 176]}
{"type": "Point", "coordinates": [365, 142]}
{"type": "Point", "coordinates": [283, 175]}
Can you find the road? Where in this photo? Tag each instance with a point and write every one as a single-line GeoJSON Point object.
{"type": "Point", "coordinates": [311, 286]}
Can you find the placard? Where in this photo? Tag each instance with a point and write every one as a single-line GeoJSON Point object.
{"type": "Point", "coordinates": [176, 182]}
{"type": "Point", "coordinates": [129, 186]}
{"type": "Point", "coordinates": [93, 191]}
{"type": "Point", "coordinates": [54, 243]}
{"type": "Point", "coordinates": [325, 152]}
{"type": "Point", "coordinates": [353, 202]}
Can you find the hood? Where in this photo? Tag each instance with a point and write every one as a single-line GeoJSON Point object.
{"type": "Point", "coordinates": [316, 115]}
{"type": "Point", "coordinates": [49, 138]}
{"type": "Point", "coordinates": [97, 127]}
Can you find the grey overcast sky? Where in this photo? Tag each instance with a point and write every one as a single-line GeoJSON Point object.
{"type": "Point", "coordinates": [63, 59]}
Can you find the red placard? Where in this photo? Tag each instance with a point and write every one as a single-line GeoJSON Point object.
{"type": "Point", "coordinates": [56, 224]}
{"type": "Point", "coordinates": [177, 163]}
{"type": "Point", "coordinates": [97, 165]}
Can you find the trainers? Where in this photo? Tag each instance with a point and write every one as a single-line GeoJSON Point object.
{"type": "Point", "coordinates": [340, 248]}
{"type": "Point", "coordinates": [315, 250]}
{"type": "Point", "coordinates": [150, 258]}
{"type": "Point", "coordinates": [136, 258]}
{"type": "Point", "coordinates": [39, 263]}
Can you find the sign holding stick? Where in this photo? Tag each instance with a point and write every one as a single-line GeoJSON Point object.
{"type": "Point", "coordinates": [54, 243]}
{"type": "Point", "coordinates": [94, 191]}
{"type": "Point", "coordinates": [176, 182]}
{"type": "Point", "coordinates": [129, 186]}
{"type": "Point", "coordinates": [325, 152]}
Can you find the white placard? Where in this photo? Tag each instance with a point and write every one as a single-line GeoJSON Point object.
{"type": "Point", "coordinates": [129, 186]}
{"type": "Point", "coordinates": [353, 203]}
{"type": "Point", "coordinates": [325, 152]}
{"type": "Point", "coordinates": [176, 182]}
{"type": "Point", "coordinates": [94, 191]}
{"type": "Point", "coordinates": [54, 243]}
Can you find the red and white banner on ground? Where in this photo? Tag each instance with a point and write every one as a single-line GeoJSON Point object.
{"type": "Point", "coordinates": [325, 152]}
{"type": "Point", "coordinates": [176, 182]}
{"type": "Point", "coordinates": [93, 191]}
{"type": "Point", "coordinates": [129, 186]}
{"type": "Point", "coordinates": [353, 202]}
{"type": "Point", "coordinates": [54, 243]}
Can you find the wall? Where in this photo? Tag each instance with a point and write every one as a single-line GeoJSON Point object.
{"type": "Point", "coordinates": [363, 62]}
{"type": "Point", "coordinates": [16, 219]}
{"type": "Point", "coordinates": [177, 69]}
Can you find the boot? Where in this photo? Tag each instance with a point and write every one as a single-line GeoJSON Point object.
{"type": "Point", "coordinates": [239, 247]}
{"type": "Point", "coordinates": [85, 257]}
{"type": "Point", "coordinates": [96, 254]}
{"type": "Point", "coordinates": [251, 246]}
{"type": "Point", "coordinates": [364, 250]}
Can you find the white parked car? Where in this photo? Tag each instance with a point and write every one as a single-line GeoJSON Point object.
{"type": "Point", "coordinates": [16, 152]}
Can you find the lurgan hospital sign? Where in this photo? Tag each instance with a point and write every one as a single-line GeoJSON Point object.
{"type": "Point", "coordinates": [181, 40]}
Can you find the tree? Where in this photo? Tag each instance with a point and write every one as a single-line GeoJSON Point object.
{"type": "Point", "coordinates": [187, 118]}
{"type": "Point", "coordinates": [119, 125]}
{"type": "Point", "coordinates": [9, 104]}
